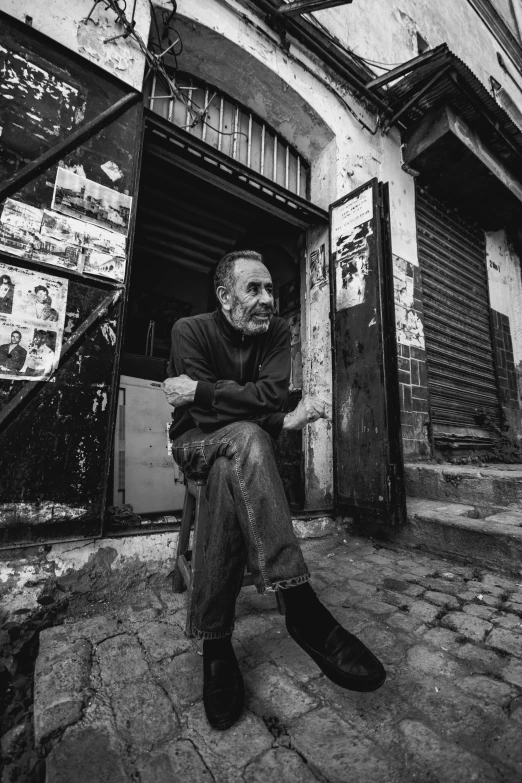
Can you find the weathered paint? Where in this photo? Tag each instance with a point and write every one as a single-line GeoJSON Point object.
{"type": "Point", "coordinates": [505, 292]}
{"type": "Point", "coordinates": [64, 22]}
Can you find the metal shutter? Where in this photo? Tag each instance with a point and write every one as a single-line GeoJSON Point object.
{"type": "Point", "coordinates": [461, 368]}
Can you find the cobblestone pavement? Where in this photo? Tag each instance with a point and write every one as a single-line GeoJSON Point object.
{"type": "Point", "coordinates": [118, 695]}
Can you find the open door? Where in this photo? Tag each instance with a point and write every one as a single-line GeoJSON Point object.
{"type": "Point", "coordinates": [368, 465]}
{"type": "Point", "coordinates": [68, 168]}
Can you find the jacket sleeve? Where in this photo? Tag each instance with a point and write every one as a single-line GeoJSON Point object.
{"type": "Point", "coordinates": [219, 402]}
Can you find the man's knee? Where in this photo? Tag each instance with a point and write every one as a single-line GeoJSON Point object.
{"type": "Point", "coordinates": [251, 438]}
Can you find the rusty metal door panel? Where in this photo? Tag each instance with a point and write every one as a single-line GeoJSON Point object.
{"type": "Point", "coordinates": [367, 444]}
{"type": "Point", "coordinates": [461, 367]}
{"type": "Point", "coordinates": [56, 433]}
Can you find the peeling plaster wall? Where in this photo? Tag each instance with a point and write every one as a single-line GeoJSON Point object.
{"type": "Point", "coordinates": [63, 21]}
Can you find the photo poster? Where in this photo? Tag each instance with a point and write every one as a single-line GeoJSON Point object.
{"type": "Point", "coordinates": [351, 225]}
{"type": "Point", "coordinates": [87, 200]}
{"type": "Point", "coordinates": [59, 240]}
{"type": "Point", "coordinates": [32, 317]}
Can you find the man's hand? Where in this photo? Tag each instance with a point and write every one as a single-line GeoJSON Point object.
{"type": "Point", "coordinates": [179, 391]}
{"type": "Point", "coordinates": [309, 410]}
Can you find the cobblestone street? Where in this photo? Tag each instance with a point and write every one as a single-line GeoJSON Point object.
{"type": "Point", "coordinates": [118, 694]}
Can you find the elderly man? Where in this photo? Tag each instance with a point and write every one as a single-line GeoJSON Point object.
{"type": "Point", "coordinates": [233, 370]}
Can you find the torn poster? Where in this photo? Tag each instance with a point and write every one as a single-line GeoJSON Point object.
{"type": "Point", "coordinates": [87, 200]}
{"type": "Point", "coordinates": [32, 315]}
{"type": "Point", "coordinates": [351, 226]}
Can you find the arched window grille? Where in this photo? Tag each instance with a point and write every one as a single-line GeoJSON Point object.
{"type": "Point", "coordinates": [231, 128]}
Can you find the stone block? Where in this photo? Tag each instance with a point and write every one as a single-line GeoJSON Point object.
{"type": "Point", "coordinates": [278, 766]}
{"type": "Point", "coordinates": [512, 673]}
{"type": "Point", "coordinates": [509, 621]}
{"type": "Point", "coordinates": [182, 678]}
{"type": "Point", "coordinates": [506, 641]}
{"type": "Point", "coordinates": [445, 761]}
{"type": "Point", "coordinates": [424, 611]}
{"type": "Point", "coordinates": [432, 662]}
{"type": "Point", "coordinates": [273, 693]}
{"type": "Point", "coordinates": [61, 682]}
{"type": "Point", "coordinates": [476, 610]}
{"type": "Point", "coordinates": [162, 640]}
{"type": "Point", "coordinates": [85, 756]}
{"type": "Point", "coordinates": [333, 747]}
{"type": "Point", "coordinates": [228, 750]}
{"type": "Point", "coordinates": [479, 659]}
{"type": "Point", "coordinates": [121, 660]}
{"type": "Point", "coordinates": [486, 689]}
{"type": "Point", "coordinates": [471, 627]}
{"type": "Point", "coordinates": [441, 637]}
{"type": "Point", "coordinates": [313, 528]}
{"type": "Point", "coordinates": [441, 599]}
{"type": "Point", "coordinates": [405, 622]}
{"type": "Point", "coordinates": [506, 518]}
{"type": "Point", "coordinates": [144, 715]}
{"type": "Point", "coordinates": [176, 761]}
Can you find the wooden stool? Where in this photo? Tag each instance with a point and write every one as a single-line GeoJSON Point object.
{"type": "Point", "coordinates": [189, 563]}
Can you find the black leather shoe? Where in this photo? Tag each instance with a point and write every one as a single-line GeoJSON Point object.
{"type": "Point", "coordinates": [344, 659]}
{"type": "Point", "coordinates": [223, 692]}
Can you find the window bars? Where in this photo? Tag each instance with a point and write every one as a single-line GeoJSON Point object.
{"type": "Point", "coordinates": [231, 128]}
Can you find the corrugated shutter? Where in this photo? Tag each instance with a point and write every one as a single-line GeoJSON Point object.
{"type": "Point", "coordinates": [461, 369]}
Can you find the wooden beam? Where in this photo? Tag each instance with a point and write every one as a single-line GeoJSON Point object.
{"type": "Point", "coordinates": [56, 153]}
{"type": "Point", "coordinates": [402, 70]}
{"type": "Point", "coordinates": [307, 6]}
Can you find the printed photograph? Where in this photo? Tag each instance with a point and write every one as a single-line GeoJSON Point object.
{"type": "Point", "coordinates": [6, 294]}
{"type": "Point", "coordinates": [89, 201]}
{"type": "Point", "coordinates": [41, 355]}
{"type": "Point", "coordinates": [15, 340]}
{"type": "Point", "coordinates": [20, 228]}
{"type": "Point", "coordinates": [97, 263]}
{"type": "Point", "coordinates": [40, 297]}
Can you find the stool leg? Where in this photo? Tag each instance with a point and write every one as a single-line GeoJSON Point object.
{"type": "Point", "coordinates": [280, 601]}
{"type": "Point", "coordinates": [178, 583]}
{"type": "Point", "coordinates": [198, 554]}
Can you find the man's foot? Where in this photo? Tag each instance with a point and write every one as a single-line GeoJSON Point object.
{"type": "Point", "coordinates": [223, 689]}
{"type": "Point", "coordinates": [340, 655]}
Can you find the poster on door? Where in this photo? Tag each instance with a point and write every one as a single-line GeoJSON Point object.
{"type": "Point", "coordinates": [32, 317]}
{"type": "Point", "coordinates": [351, 227]}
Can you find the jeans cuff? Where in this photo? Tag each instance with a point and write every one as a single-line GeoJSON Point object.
{"type": "Point", "coordinates": [284, 584]}
{"type": "Point", "coordinates": [211, 634]}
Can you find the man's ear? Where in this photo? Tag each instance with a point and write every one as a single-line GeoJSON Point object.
{"type": "Point", "coordinates": [223, 296]}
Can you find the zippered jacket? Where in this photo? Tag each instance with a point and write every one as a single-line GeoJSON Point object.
{"type": "Point", "coordinates": [240, 377]}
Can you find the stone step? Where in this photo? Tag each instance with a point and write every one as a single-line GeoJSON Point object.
{"type": "Point", "coordinates": [489, 489]}
{"type": "Point", "coordinates": [455, 531]}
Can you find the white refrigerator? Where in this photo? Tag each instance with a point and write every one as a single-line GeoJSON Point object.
{"type": "Point", "coordinates": [145, 475]}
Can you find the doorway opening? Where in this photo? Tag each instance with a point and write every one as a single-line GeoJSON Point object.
{"type": "Point", "coordinates": [185, 223]}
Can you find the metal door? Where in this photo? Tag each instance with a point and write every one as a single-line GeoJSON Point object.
{"type": "Point", "coordinates": [461, 367]}
{"type": "Point", "coordinates": [68, 163]}
{"type": "Point", "coordinates": [367, 444]}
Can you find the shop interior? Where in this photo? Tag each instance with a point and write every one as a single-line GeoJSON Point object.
{"type": "Point", "coordinates": [184, 225]}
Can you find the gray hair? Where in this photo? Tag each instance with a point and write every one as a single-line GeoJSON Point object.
{"type": "Point", "coordinates": [224, 274]}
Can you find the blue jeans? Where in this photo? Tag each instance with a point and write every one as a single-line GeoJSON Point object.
{"type": "Point", "coordinates": [249, 519]}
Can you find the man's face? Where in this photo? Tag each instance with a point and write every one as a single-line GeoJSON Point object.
{"type": "Point", "coordinates": [251, 302]}
{"type": "Point", "coordinates": [41, 295]}
{"type": "Point", "coordinates": [15, 338]}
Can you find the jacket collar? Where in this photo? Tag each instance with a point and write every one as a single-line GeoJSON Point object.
{"type": "Point", "coordinates": [234, 335]}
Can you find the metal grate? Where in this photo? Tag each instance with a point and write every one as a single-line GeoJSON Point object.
{"type": "Point", "coordinates": [230, 128]}
{"type": "Point", "coordinates": [461, 368]}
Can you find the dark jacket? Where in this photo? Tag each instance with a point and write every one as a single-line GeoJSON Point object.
{"type": "Point", "coordinates": [240, 378]}
{"type": "Point", "coordinates": [14, 361]}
